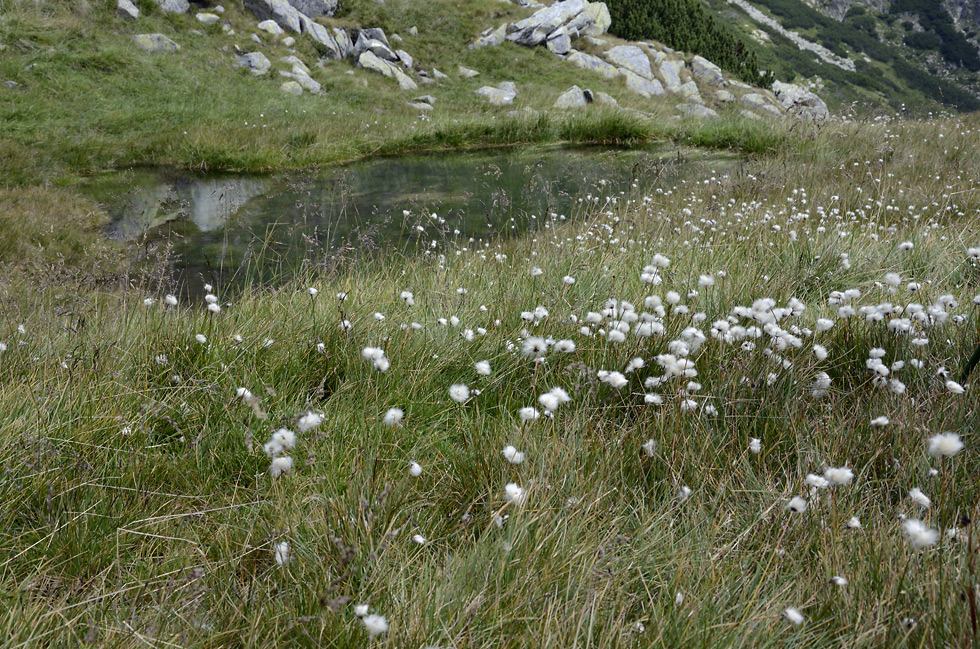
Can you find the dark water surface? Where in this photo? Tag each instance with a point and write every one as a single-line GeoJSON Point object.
{"type": "Point", "coordinates": [230, 229]}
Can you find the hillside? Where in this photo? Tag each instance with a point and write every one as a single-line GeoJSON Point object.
{"type": "Point", "coordinates": [906, 54]}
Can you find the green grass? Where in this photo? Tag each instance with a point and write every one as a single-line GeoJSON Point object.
{"type": "Point", "coordinates": [163, 533]}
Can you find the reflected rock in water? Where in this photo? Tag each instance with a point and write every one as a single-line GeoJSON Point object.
{"type": "Point", "coordinates": [207, 202]}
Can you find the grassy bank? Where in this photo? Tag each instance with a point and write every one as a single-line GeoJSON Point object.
{"type": "Point", "coordinates": [88, 100]}
{"type": "Point", "coordinates": [140, 509]}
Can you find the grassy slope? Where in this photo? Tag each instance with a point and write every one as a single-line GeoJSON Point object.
{"type": "Point", "coordinates": [164, 535]}
{"type": "Point", "coordinates": [92, 101]}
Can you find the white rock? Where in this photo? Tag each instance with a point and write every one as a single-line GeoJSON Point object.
{"type": "Point", "coordinates": [271, 27]}
{"type": "Point", "coordinates": [207, 18]}
{"type": "Point", "coordinates": [127, 9]}
{"type": "Point", "coordinates": [631, 58]}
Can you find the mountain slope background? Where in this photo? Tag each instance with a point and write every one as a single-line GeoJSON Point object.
{"type": "Point", "coordinates": [905, 54]}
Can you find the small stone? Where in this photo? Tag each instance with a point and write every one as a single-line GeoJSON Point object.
{"type": "Point", "coordinates": [155, 43]}
{"type": "Point", "coordinates": [413, 30]}
{"type": "Point", "coordinates": [425, 99]}
{"type": "Point", "coordinates": [271, 27]}
{"type": "Point", "coordinates": [11, 84]}
{"type": "Point", "coordinates": [466, 72]}
{"type": "Point", "coordinates": [289, 41]}
{"type": "Point", "coordinates": [724, 96]}
{"type": "Point", "coordinates": [207, 19]}
{"type": "Point", "coordinates": [420, 105]}
{"type": "Point", "coordinates": [291, 88]}
{"type": "Point", "coordinates": [438, 75]}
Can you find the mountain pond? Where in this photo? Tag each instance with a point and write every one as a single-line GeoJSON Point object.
{"type": "Point", "coordinates": [232, 229]}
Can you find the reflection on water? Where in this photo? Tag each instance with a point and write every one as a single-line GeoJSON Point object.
{"type": "Point", "coordinates": [230, 229]}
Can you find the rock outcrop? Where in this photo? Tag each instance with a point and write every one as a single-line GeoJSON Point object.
{"type": "Point", "coordinates": [800, 101]}
{"type": "Point", "coordinates": [569, 19]}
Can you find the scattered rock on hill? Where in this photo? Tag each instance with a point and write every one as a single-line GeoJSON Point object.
{"type": "Point", "coordinates": [593, 63]}
{"type": "Point", "coordinates": [696, 110]}
{"type": "Point", "coordinates": [502, 95]}
{"type": "Point", "coordinates": [127, 9]}
{"type": "Point", "coordinates": [155, 43]}
{"type": "Point", "coordinates": [207, 18]}
{"type": "Point", "coordinates": [257, 62]}
{"type": "Point", "coordinates": [631, 58]}
{"type": "Point", "coordinates": [706, 70]}
{"type": "Point", "coordinates": [174, 6]}
{"type": "Point", "coordinates": [279, 11]}
{"type": "Point", "coordinates": [271, 27]}
{"type": "Point", "coordinates": [315, 8]}
{"type": "Point", "coordinates": [577, 18]}
{"type": "Point", "coordinates": [370, 61]}
{"type": "Point", "coordinates": [641, 85]}
{"type": "Point", "coordinates": [468, 73]}
{"type": "Point", "coordinates": [291, 88]}
{"type": "Point", "coordinates": [574, 97]}
{"type": "Point", "coordinates": [800, 101]}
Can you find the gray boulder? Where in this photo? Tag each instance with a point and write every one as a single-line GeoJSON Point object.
{"type": "Point", "coordinates": [207, 18]}
{"type": "Point", "coordinates": [370, 61]}
{"type": "Point", "coordinates": [593, 63]}
{"type": "Point", "coordinates": [127, 10]}
{"type": "Point", "coordinates": [297, 64]}
{"type": "Point", "coordinates": [689, 91]}
{"type": "Point", "coordinates": [641, 85]}
{"type": "Point", "coordinates": [174, 6]}
{"type": "Point", "coordinates": [425, 99]}
{"type": "Point", "coordinates": [375, 33]}
{"type": "Point", "coordinates": [631, 58]}
{"type": "Point", "coordinates": [420, 105]}
{"type": "Point", "coordinates": [466, 72]}
{"type": "Point", "coordinates": [608, 100]}
{"type": "Point", "coordinates": [155, 43]}
{"type": "Point", "coordinates": [284, 14]}
{"type": "Point", "coordinates": [724, 96]}
{"type": "Point", "coordinates": [574, 97]}
{"type": "Point", "coordinates": [291, 88]}
{"type": "Point", "coordinates": [706, 70]}
{"type": "Point", "coordinates": [748, 114]}
{"type": "Point", "coordinates": [559, 42]}
{"type": "Point", "coordinates": [696, 110]}
{"type": "Point", "coordinates": [502, 95]}
{"type": "Point", "coordinates": [490, 38]}
{"type": "Point", "coordinates": [315, 8]}
{"type": "Point", "coordinates": [534, 29]}
{"type": "Point", "coordinates": [405, 58]}
{"type": "Point", "coordinates": [304, 80]}
{"type": "Point", "coordinates": [256, 62]}
{"type": "Point", "coordinates": [271, 27]}
{"type": "Point", "coordinates": [438, 75]}
{"type": "Point", "coordinates": [670, 70]}
{"type": "Point", "coordinates": [800, 101]}
{"type": "Point", "coordinates": [375, 46]}
{"type": "Point", "coordinates": [759, 102]}
{"type": "Point", "coordinates": [593, 21]}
